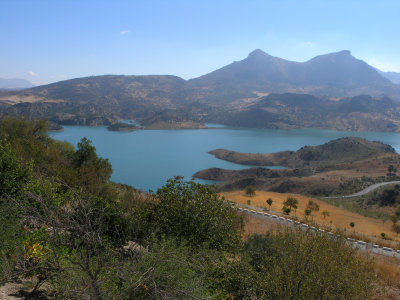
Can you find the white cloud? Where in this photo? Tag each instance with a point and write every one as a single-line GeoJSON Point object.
{"type": "Point", "coordinates": [123, 32]}
{"type": "Point", "coordinates": [31, 73]}
{"type": "Point", "coordinates": [308, 43]}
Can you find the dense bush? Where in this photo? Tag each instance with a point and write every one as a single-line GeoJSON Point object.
{"type": "Point", "coordinates": [309, 266]}
{"type": "Point", "coordinates": [195, 213]}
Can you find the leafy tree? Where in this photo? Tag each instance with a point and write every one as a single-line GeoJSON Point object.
{"type": "Point", "coordinates": [196, 213]}
{"type": "Point", "coordinates": [307, 212]}
{"type": "Point", "coordinates": [30, 142]}
{"type": "Point", "coordinates": [352, 224]}
{"type": "Point", "coordinates": [269, 202]}
{"type": "Point", "coordinates": [325, 213]}
{"type": "Point", "coordinates": [291, 202]}
{"type": "Point", "coordinates": [313, 206]}
{"type": "Point", "coordinates": [93, 170]}
{"type": "Point", "coordinates": [13, 176]}
{"type": "Point", "coordinates": [250, 191]}
{"type": "Point", "coordinates": [286, 210]}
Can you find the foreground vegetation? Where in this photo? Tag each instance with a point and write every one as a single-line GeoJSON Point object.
{"type": "Point", "coordinates": [75, 234]}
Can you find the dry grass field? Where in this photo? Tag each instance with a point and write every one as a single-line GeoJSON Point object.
{"type": "Point", "coordinates": [14, 99]}
{"type": "Point", "coordinates": [338, 218]}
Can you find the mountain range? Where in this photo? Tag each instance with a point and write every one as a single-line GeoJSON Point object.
{"type": "Point", "coordinates": [331, 75]}
{"type": "Point", "coordinates": [258, 91]}
{"type": "Point", "coordinates": [392, 76]}
{"type": "Point", "coordinates": [14, 84]}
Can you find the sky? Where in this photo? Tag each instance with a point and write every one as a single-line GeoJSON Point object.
{"type": "Point", "coordinates": [51, 40]}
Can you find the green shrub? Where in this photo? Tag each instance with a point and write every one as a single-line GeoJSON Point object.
{"type": "Point", "coordinates": [195, 213]}
{"type": "Point", "coordinates": [310, 266]}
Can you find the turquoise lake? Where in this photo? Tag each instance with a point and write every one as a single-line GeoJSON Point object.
{"type": "Point", "coordinates": [145, 159]}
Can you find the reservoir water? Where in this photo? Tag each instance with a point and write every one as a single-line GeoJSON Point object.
{"type": "Point", "coordinates": [145, 159]}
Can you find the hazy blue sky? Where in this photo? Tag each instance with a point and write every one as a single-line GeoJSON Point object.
{"type": "Point", "coordinates": [51, 40]}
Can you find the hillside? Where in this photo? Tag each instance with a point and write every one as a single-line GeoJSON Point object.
{"type": "Point", "coordinates": [339, 151]}
{"type": "Point", "coordinates": [289, 111]}
{"type": "Point", "coordinates": [338, 167]}
{"type": "Point", "coordinates": [104, 98]}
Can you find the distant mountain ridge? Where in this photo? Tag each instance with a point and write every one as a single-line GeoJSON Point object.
{"type": "Point", "coordinates": [336, 74]}
{"type": "Point", "coordinates": [392, 76]}
{"type": "Point", "coordinates": [15, 83]}
{"type": "Point", "coordinates": [301, 94]}
{"type": "Point", "coordinates": [290, 111]}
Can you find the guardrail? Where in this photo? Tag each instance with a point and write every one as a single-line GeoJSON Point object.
{"type": "Point", "coordinates": [362, 245]}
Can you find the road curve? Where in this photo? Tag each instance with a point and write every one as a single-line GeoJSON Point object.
{"type": "Point", "coordinates": [366, 190]}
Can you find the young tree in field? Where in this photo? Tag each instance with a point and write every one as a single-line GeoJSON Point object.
{"type": "Point", "coordinates": [352, 225]}
{"type": "Point", "coordinates": [396, 228]}
{"type": "Point", "coordinates": [269, 202]}
{"type": "Point", "coordinates": [286, 210]}
{"type": "Point", "coordinates": [291, 202]}
{"type": "Point", "coordinates": [325, 213]}
{"type": "Point", "coordinates": [312, 206]}
{"type": "Point", "coordinates": [250, 190]}
{"type": "Point", "coordinates": [307, 212]}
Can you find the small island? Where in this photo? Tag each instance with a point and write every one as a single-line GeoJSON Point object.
{"type": "Point", "coordinates": [55, 127]}
{"type": "Point", "coordinates": [122, 127]}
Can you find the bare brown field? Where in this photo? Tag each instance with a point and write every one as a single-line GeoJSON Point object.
{"type": "Point", "coordinates": [14, 99]}
{"type": "Point", "coordinates": [338, 219]}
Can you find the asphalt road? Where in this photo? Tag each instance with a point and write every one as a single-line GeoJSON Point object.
{"type": "Point", "coordinates": [366, 190]}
